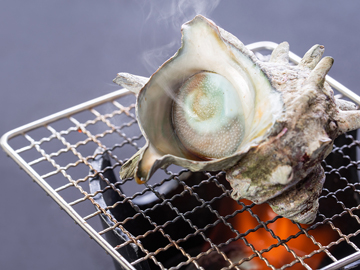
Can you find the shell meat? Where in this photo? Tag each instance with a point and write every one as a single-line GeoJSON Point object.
{"type": "Point", "coordinates": [215, 106]}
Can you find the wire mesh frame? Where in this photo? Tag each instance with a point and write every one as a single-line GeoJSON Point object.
{"type": "Point", "coordinates": [41, 179]}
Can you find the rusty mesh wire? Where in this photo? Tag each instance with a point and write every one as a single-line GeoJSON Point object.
{"type": "Point", "coordinates": [180, 219]}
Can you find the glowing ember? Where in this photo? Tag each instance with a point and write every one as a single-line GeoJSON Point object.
{"type": "Point", "coordinates": [279, 241]}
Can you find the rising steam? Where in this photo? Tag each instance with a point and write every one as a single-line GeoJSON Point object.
{"type": "Point", "coordinates": [180, 11]}
{"type": "Point", "coordinates": [161, 31]}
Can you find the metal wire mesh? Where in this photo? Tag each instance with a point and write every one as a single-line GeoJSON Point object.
{"type": "Point", "coordinates": [179, 219]}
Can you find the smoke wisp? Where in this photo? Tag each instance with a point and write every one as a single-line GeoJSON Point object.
{"type": "Point", "coordinates": [161, 36]}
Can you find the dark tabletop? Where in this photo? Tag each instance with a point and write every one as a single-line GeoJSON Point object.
{"type": "Point", "coordinates": [56, 54]}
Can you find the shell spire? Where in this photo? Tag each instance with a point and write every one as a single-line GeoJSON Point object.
{"type": "Point", "coordinates": [312, 57]}
{"type": "Point", "coordinates": [317, 75]}
{"type": "Point", "coordinates": [131, 82]}
{"type": "Point", "coordinates": [280, 54]}
{"type": "Point", "coordinates": [348, 120]}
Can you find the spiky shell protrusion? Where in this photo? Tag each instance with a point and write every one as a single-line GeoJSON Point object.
{"type": "Point", "coordinates": [288, 118]}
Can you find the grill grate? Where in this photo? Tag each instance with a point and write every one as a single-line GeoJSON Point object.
{"type": "Point", "coordinates": [180, 219]}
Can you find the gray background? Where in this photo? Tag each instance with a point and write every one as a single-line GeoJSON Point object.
{"type": "Point", "coordinates": [56, 54]}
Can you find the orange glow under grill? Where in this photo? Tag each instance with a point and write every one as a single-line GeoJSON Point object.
{"type": "Point", "coordinates": [261, 239]}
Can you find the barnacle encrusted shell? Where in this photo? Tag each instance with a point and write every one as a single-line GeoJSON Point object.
{"type": "Point", "coordinates": [215, 106]}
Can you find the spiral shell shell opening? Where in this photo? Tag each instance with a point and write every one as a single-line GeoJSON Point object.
{"type": "Point", "coordinates": [207, 104]}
